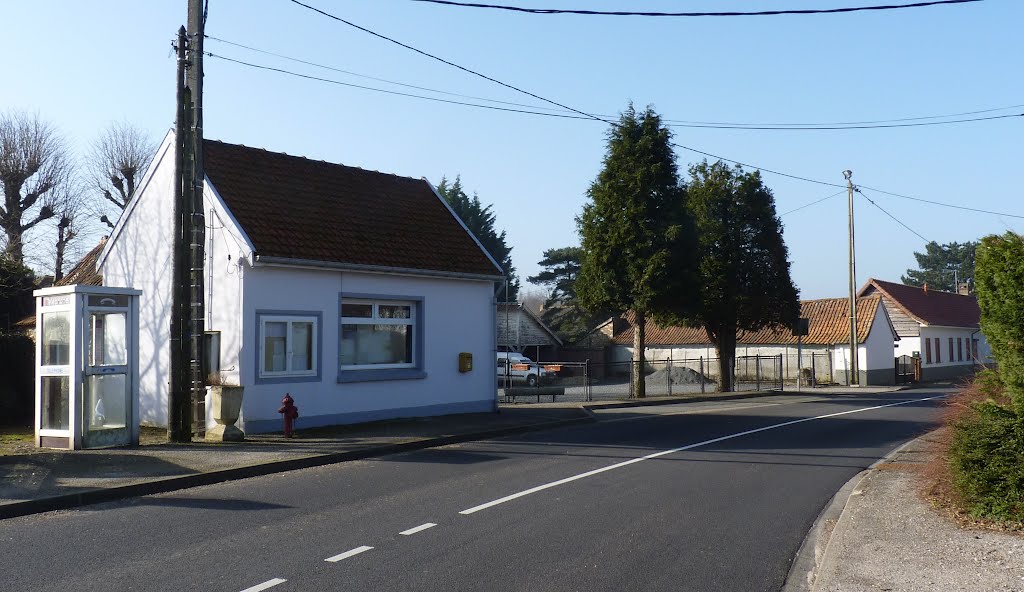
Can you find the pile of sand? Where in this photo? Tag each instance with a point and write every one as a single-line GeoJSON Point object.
{"type": "Point", "coordinates": [677, 375]}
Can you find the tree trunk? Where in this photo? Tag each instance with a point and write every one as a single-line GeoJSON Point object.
{"type": "Point", "coordinates": [15, 246]}
{"type": "Point", "coordinates": [639, 355]}
{"type": "Point", "coordinates": [726, 348]}
{"type": "Point", "coordinates": [58, 266]}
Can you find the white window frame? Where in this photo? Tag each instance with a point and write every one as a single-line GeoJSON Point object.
{"type": "Point", "coordinates": [289, 320]}
{"type": "Point", "coordinates": [374, 319]}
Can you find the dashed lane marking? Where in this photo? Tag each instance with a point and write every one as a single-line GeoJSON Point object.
{"type": "Point", "coordinates": [265, 585]}
{"type": "Point", "coordinates": [539, 488]}
{"type": "Point", "coordinates": [419, 528]}
{"type": "Point", "coordinates": [349, 553]}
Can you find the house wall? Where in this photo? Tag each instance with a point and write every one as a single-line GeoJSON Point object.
{"type": "Point", "coordinates": [139, 256]}
{"type": "Point", "coordinates": [944, 368]}
{"type": "Point", "coordinates": [457, 316]}
{"type": "Point", "coordinates": [875, 356]}
{"type": "Point", "coordinates": [517, 331]}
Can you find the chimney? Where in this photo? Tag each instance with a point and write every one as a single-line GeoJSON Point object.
{"type": "Point", "coordinates": [926, 288]}
{"type": "Point", "coordinates": [963, 288]}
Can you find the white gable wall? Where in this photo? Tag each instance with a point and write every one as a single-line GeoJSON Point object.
{"type": "Point", "coordinates": [457, 316]}
{"type": "Point", "coordinates": [138, 255]}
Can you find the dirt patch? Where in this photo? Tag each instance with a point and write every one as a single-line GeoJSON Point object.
{"type": "Point", "coordinates": [16, 440]}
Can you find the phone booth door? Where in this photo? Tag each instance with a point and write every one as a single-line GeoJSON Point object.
{"type": "Point", "coordinates": [107, 405]}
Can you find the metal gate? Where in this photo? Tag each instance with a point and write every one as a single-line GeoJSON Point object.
{"type": "Point", "coordinates": [908, 369]}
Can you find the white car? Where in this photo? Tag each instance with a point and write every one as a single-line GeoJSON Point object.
{"type": "Point", "coordinates": [519, 368]}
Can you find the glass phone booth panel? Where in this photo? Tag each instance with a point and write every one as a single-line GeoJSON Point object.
{"type": "Point", "coordinates": [87, 367]}
{"type": "Point", "coordinates": [105, 412]}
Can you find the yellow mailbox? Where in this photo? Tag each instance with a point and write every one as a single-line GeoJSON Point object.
{"type": "Point", "coordinates": [465, 362]}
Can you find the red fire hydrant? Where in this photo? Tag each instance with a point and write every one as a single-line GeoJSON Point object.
{"type": "Point", "coordinates": [290, 412]}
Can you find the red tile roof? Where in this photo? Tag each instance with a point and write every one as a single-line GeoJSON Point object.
{"type": "Point", "coordinates": [930, 307]}
{"type": "Point", "coordinates": [829, 325]}
{"type": "Point", "coordinates": [296, 208]}
{"type": "Point", "coordinates": [84, 272]}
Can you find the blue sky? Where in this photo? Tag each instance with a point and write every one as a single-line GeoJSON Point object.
{"type": "Point", "coordinates": [83, 65]}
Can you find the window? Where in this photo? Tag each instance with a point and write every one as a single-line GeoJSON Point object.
{"type": "Point", "coordinates": [974, 349]}
{"type": "Point", "coordinates": [951, 358]}
{"type": "Point", "coordinates": [959, 349]}
{"type": "Point", "coordinates": [938, 351]}
{"type": "Point", "coordinates": [927, 351]}
{"type": "Point", "coordinates": [288, 345]}
{"type": "Point", "coordinates": [378, 334]}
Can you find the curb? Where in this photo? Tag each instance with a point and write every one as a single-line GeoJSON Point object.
{"type": "Point", "coordinates": [165, 485]}
{"type": "Point", "coordinates": [803, 572]}
{"type": "Point", "coordinates": [678, 400]}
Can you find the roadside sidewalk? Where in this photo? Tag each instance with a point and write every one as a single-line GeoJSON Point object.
{"type": "Point", "coordinates": [886, 537]}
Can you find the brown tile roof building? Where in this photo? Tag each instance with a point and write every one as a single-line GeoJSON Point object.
{"type": "Point", "coordinates": [84, 272]}
{"type": "Point", "coordinates": [300, 209]}
{"type": "Point", "coordinates": [928, 307]}
{"type": "Point", "coordinates": [829, 325]}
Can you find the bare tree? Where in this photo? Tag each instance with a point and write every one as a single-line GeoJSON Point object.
{"type": "Point", "coordinates": [117, 162]}
{"type": "Point", "coordinates": [34, 163]}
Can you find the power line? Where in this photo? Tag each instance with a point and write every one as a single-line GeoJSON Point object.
{"type": "Point", "coordinates": [375, 78]}
{"type": "Point", "coordinates": [383, 90]}
{"type": "Point", "coordinates": [691, 14]}
{"type": "Point", "coordinates": [607, 121]}
{"type": "Point", "coordinates": [538, 97]}
{"type": "Point", "coordinates": [948, 115]}
{"type": "Point", "coordinates": [886, 212]}
{"type": "Point", "coordinates": [943, 204]}
{"type": "Point", "coordinates": [532, 109]}
{"type": "Point", "coordinates": [813, 203]}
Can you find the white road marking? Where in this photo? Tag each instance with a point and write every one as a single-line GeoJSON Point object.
{"type": "Point", "coordinates": [349, 553]}
{"type": "Point", "coordinates": [419, 528]}
{"type": "Point", "coordinates": [265, 585]}
{"type": "Point", "coordinates": [538, 488]}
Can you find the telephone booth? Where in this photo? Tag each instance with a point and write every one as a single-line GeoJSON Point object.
{"type": "Point", "coordinates": [87, 367]}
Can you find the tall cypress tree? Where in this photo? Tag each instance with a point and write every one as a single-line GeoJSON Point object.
{"type": "Point", "coordinates": [481, 222]}
{"type": "Point", "coordinates": [744, 264]}
{"type": "Point", "coordinates": [635, 230]}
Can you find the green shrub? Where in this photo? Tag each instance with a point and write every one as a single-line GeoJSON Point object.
{"type": "Point", "coordinates": [987, 460]}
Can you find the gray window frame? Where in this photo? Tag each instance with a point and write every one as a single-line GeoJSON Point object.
{"type": "Point", "coordinates": [417, 372]}
{"type": "Point", "coordinates": [319, 353]}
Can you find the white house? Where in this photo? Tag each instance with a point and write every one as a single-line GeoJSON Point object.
{"type": "Point", "coordinates": [943, 328]}
{"type": "Point", "coordinates": [825, 350]}
{"type": "Point", "coordinates": [354, 291]}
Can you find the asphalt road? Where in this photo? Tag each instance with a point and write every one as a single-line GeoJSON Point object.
{"type": "Point", "coordinates": [679, 497]}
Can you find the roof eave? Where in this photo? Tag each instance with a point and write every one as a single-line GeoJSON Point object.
{"type": "Point", "coordinates": [264, 260]}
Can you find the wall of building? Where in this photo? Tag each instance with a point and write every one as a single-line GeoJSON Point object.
{"type": "Point", "coordinates": [942, 367]}
{"type": "Point", "coordinates": [139, 256]}
{"type": "Point", "coordinates": [457, 316]}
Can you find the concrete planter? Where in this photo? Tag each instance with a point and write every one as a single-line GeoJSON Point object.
{"type": "Point", "coordinates": [225, 407]}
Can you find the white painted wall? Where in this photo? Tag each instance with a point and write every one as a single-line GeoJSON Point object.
{"type": "Point", "coordinates": [138, 255]}
{"type": "Point", "coordinates": [458, 316]}
{"type": "Point", "coordinates": [944, 333]}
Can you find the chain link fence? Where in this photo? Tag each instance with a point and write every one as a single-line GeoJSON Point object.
{"type": "Point", "coordinates": [611, 381]}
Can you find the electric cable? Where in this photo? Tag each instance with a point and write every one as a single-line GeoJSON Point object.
{"type": "Point", "coordinates": [813, 203]}
{"type": "Point", "coordinates": [943, 204]}
{"type": "Point", "coordinates": [691, 14]}
{"type": "Point", "coordinates": [886, 212]}
{"type": "Point", "coordinates": [596, 118]}
{"type": "Point", "coordinates": [384, 90]}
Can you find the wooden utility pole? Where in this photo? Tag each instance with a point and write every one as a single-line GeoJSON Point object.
{"type": "Point", "coordinates": [197, 218]}
{"type": "Point", "coordinates": [179, 415]}
{"type": "Point", "coordinates": [854, 371]}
